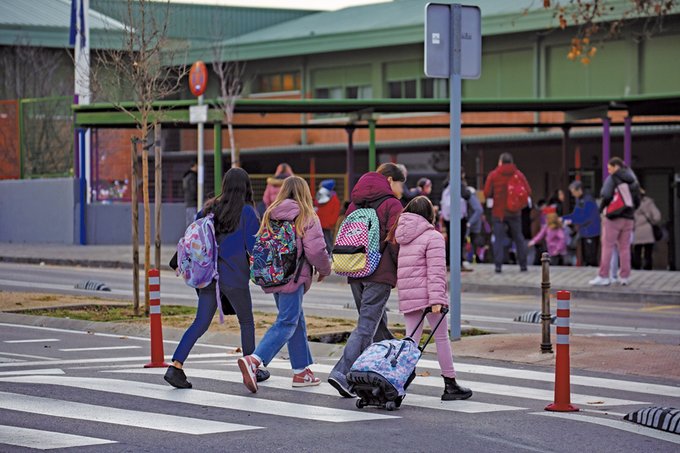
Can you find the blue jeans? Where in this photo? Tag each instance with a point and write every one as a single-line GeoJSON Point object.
{"type": "Point", "coordinates": [514, 224]}
{"type": "Point", "coordinates": [239, 298]}
{"type": "Point", "coordinates": [289, 328]}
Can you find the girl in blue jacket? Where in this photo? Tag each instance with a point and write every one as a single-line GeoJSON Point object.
{"type": "Point", "coordinates": [236, 224]}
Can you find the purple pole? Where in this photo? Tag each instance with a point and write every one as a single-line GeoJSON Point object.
{"type": "Point", "coordinates": [606, 139]}
{"type": "Point", "coordinates": [627, 140]}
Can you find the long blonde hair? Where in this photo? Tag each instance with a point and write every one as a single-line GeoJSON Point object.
{"type": "Point", "coordinates": [296, 189]}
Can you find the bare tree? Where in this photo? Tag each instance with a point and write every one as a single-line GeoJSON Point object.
{"type": "Point", "coordinates": [230, 78]}
{"type": "Point", "coordinates": [602, 18]}
{"type": "Point", "coordinates": [145, 68]}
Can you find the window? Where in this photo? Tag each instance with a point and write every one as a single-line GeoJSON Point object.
{"type": "Point", "coordinates": [359, 92]}
{"type": "Point", "coordinates": [286, 81]}
{"type": "Point", "coordinates": [434, 88]}
{"type": "Point", "coordinates": [402, 89]}
{"type": "Point", "coordinates": [328, 93]}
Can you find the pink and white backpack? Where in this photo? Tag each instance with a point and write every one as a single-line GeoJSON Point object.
{"type": "Point", "coordinates": [197, 256]}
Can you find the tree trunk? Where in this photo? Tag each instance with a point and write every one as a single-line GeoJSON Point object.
{"type": "Point", "coordinates": [147, 218]}
{"type": "Point", "coordinates": [158, 192]}
{"type": "Point", "coordinates": [135, 228]}
{"type": "Point", "coordinates": [232, 144]}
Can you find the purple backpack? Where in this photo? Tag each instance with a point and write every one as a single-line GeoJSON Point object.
{"type": "Point", "coordinates": [197, 256]}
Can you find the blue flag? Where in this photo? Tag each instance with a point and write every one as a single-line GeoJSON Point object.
{"type": "Point", "coordinates": [73, 31]}
{"type": "Point", "coordinates": [77, 9]}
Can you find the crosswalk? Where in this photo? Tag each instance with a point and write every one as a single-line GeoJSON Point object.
{"type": "Point", "coordinates": [133, 384]}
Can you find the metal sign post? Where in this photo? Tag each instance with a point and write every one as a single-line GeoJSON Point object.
{"type": "Point", "coordinates": [198, 81]}
{"type": "Point", "coordinates": [453, 50]}
{"type": "Point", "coordinates": [201, 165]}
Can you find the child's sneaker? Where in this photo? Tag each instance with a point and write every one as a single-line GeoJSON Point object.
{"type": "Point", "coordinates": [305, 379]}
{"type": "Point", "coordinates": [248, 366]}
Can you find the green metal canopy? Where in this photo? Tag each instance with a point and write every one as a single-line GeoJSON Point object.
{"type": "Point", "coordinates": [177, 112]}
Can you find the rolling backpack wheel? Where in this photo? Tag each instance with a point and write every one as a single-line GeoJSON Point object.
{"type": "Point", "coordinates": [361, 404]}
{"type": "Point", "coordinates": [390, 405]}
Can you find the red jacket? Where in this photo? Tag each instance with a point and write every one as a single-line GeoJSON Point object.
{"type": "Point", "coordinates": [496, 187]}
{"type": "Point", "coordinates": [370, 187]}
{"type": "Point", "coordinates": [329, 212]}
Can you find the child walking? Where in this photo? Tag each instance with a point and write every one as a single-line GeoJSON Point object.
{"type": "Point", "coordinates": [421, 282]}
{"type": "Point", "coordinates": [293, 203]}
{"type": "Point", "coordinates": [555, 238]}
{"type": "Point", "coordinates": [235, 226]}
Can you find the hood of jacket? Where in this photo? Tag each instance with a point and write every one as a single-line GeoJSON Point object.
{"type": "Point", "coordinates": [626, 175]}
{"type": "Point", "coordinates": [507, 169]}
{"type": "Point", "coordinates": [287, 210]}
{"type": "Point", "coordinates": [411, 226]}
{"type": "Point", "coordinates": [370, 187]}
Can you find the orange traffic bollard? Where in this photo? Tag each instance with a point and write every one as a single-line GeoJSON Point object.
{"type": "Point", "coordinates": [562, 392]}
{"type": "Point", "coordinates": [157, 355]}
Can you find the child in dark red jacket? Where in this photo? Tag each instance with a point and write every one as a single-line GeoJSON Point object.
{"type": "Point", "coordinates": [371, 292]}
{"type": "Point", "coordinates": [327, 206]}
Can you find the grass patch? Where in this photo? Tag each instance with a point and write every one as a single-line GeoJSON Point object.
{"type": "Point", "coordinates": [106, 313]}
{"type": "Point", "coordinates": [325, 330]}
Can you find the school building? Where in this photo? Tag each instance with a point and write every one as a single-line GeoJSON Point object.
{"type": "Point", "coordinates": [559, 118]}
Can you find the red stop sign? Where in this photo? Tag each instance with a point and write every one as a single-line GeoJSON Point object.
{"type": "Point", "coordinates": [198, 78]}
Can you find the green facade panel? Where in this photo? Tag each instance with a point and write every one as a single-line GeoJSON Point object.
{"type": "Point", "coordinates": [612, 72]}
{"type": "Point", "coordinates": [504, 75]}
{"type": "Point", "coordinates": [341, 76]}
{"type": "Point", "coordinates": [564, 78]}
{"type": "Point", "coordinates": [403, 70]}
{"type": "Point", "coordinates": [661, 64]}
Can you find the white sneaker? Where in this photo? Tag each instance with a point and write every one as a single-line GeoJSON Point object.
{"type": "Point", "coordinates": [599, 281]}
{"type": "Point", "coordinates": [623, 281]}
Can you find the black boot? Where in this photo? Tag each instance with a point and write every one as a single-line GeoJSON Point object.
{"type": "Point", "coordinates": [176, 377]}
{"type": "Point", "coordinates": [453, 391]}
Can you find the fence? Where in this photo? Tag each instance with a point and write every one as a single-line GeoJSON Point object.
{"type": "Point", "coordinates": [36, 138]}
{"type": "Point", "coordinates": [10, 158]}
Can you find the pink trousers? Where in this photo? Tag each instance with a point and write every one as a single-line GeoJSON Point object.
{"type": "Point", "coordinates": [441, 338]}
{"type": "Point", "coordinates": [616, 233]}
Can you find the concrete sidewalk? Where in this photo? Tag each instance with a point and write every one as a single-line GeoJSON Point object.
{"type": "Point", "coordinates": [645, 286]}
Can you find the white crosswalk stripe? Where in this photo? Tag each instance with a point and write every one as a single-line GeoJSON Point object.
{"type": "Point", "coordinates": [116, 416]}
{"type": "Point", "coordinates": [267, 400]}
{"type": "Point", "coordinates": [45, 440]}
{"type": "Point", "coordinates": [632, 386]}
{"type": "Point", "coordinates": [282, 383]}
{"type": "Point", "coordinates": [204, 398]}
{"type": "Point", "coordinates": [498, 389]}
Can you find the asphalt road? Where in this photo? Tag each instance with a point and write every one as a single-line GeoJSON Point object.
{"type": "Point", "coordinates": [91, 393]}
{"type": "Point", "coordinates": [492, 312]}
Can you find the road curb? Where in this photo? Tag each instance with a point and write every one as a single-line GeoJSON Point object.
{"type": "Point", "coordinates": [615, 295]}
{"type": "Point", "coordinates": [618, 294]}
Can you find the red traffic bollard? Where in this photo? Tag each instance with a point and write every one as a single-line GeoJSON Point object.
{"type": "Point", "coordinates": [562, 392]}
{"type": "Point", "coordinates": [157, 355]}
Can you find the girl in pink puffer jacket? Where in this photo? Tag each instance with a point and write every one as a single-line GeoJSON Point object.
{"type": "Point", "coordinates": [421, 282]}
